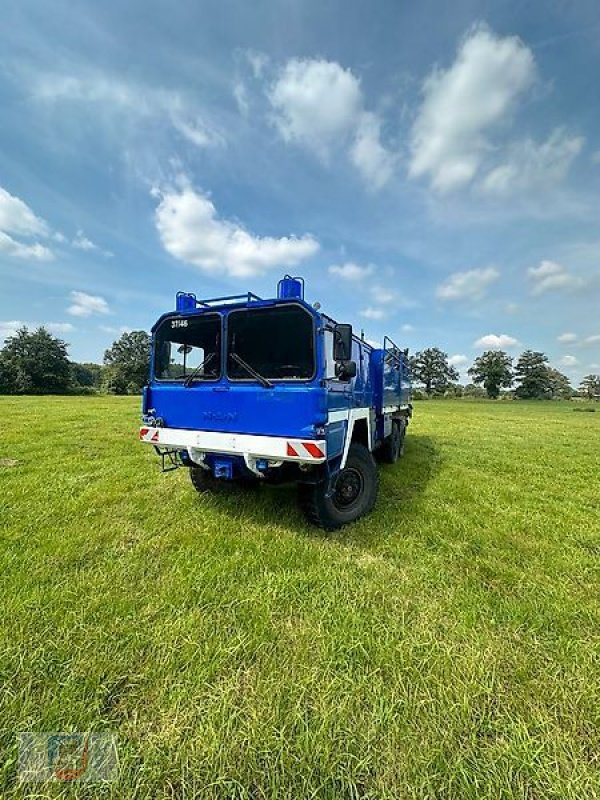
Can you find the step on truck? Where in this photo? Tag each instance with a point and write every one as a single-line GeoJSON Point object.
{"type": "Point", "coordinates": [247, 391]}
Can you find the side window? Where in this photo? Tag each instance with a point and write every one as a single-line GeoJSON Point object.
{"type": "Point", "coordinates": [356, 353]}
{"type": "Point", "coordinates": [328, 346]}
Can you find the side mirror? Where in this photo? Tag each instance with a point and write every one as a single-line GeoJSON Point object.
{"type": "Point", "coordinates": [345, 370]}
{"type": "Point", "coordinates": [342, 342]}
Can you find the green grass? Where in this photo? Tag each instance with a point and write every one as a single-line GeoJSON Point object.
{"type": "Point", "coordinates": [446, 646]}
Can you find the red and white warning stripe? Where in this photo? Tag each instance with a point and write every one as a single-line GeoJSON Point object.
{"type": "Point", "coordinates": [149, 434]}
{"type": "Point", "coordinates": [301, 450]}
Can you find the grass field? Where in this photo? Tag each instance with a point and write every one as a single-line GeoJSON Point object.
{"type": "Point", "coordinates": [447, 646]}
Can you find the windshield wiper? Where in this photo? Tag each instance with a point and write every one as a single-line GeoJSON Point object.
{"type": "Point", "coordinates": [251, 371]}
{"type": "Point", "coordinates": [196, 372]}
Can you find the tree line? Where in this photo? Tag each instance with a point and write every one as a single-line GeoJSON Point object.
{"type": "Point", "coordinates": [531, 376]}
{"type": "Point", "coordinates": [36, 362]}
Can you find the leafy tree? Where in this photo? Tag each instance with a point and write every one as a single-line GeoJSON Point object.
{"type": "Point", "coordinates": [559, 385]}
{"type": "Point", "coordinates": [7, 377]}
{"type": "Point", "coordinates": [88, 374]}
{"type": "Point", "coordinates": [531, 373]}
{"type": "Point", "coordinates": [494, 370]}
{"type": "Point", "coordinates": [34, 363]}
{"type": "Point", "coordinates": [430, 367]}
{"type": "Point", "coordinates": [590, 386]}
{"type": "Point", "coordinates": [454, 390]}
{"type": "Point", "coordinates": [472, 390]}
{"type": "Point", "coordinates": [127, 363]}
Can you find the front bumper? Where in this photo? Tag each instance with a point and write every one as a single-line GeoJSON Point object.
{"type": "Point", "coordinates": [275, 449]}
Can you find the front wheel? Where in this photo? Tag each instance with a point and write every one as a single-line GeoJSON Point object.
{"type": "Point", "coordinates": [354, 492]}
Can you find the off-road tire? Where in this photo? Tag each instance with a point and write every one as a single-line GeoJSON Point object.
{"type": "Point", "coordinates": [392, 447]}
{"type": "Point", "coordinates": [354, 492]}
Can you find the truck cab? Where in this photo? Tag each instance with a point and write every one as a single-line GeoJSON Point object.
{"type": "Point", "coordinates": [246, 390]}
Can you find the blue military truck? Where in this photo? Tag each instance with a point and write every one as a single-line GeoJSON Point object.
{"type": "Point", "coordinates": [247, 391]}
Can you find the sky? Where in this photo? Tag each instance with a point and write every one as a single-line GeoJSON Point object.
{"type": "Point", "coordinates": [434, 176]}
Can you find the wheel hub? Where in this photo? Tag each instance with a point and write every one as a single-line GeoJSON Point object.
{"type": "Point", "coordinates": [348, 487]}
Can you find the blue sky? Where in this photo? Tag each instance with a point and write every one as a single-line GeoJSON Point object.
{"type": "Point", "coordinates": [435, 176]}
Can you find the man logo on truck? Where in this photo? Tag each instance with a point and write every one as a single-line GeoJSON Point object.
{"type": "Point", "coordinates": [220, 416]}
{"type": "Point", "coordinates": [246, 391]}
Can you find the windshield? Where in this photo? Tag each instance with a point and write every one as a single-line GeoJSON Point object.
{"type": "Point", "coordinates": [276, 342]}
{"type": "Point", "coordinates": [188, 348]}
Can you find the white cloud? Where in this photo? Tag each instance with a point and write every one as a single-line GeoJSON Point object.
{"type": "Point", "coordinates": [493, 341]}
{"type": "Point", "coordinates": [240, 94]}
{"type": "Point", "coordinates": [471, 285]}
{"type": "Point", "coordinates": [407, 328]}
{"type": "Point", "coordinates": [373, 313]}
{"type": "Point", "coordinates": [195, 130]}
{"type": "Point", "coordinates": [534, 165]}
{"type": "Point", "coordinates": [320, 105]}
{"type": "Point", "coordinates": [258, 62]}
{"type": "Point", "coordinates": [550, 275]}
{"type": "Point", "coordinates": [567, 338]}
{"type": "Point", "coordinates": [134, 103]}
{"type": "Point", "coordinates": [16, 249]}
{"type": "Point", "coordinates": [81, 242]}
{"type": "Point", "coordinates": [594, 366]}
{"type": "Point", "coordinates": [84, 305]}
{"type": "Point", "coordinates": [568, 361]}
{"type": "Point", "coordinates": [596, 157]}
{"type": "Point", "coordinates": [110, 329]}
{"type": "Point", "coordinates": [10, 327]}
{"type": "Point", "coordinates": [59, 327]}
{"type": "Point", "coordinates": [382, 295]}
{"type": "Point", "coordinates": [459, 360]}
{"type": "Point", "coordinates": [191, 231]}
{"type": "Point", "coordinates": [17, 219]}
{"type": "Point", "coordinates": [350, 271]}
{"type": "Point", "coordinates": [463, 104]}
{"type": "Point", "coordinates": [316, 103]}
{"type": "Point", "coordinates": [369, 156]}
{"type": "Point", "coordinates": [573, 338]}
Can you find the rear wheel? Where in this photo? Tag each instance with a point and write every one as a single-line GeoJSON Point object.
{"type": "Point", "coordinates": [393, 445]}
{"type": "Point", "coordinates": [354, 492]}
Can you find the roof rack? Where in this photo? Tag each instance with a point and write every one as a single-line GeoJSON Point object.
{"type": "Point", "coordinates": [185, 301]}
{"type": "Point", "coordinates": [247, 297]}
